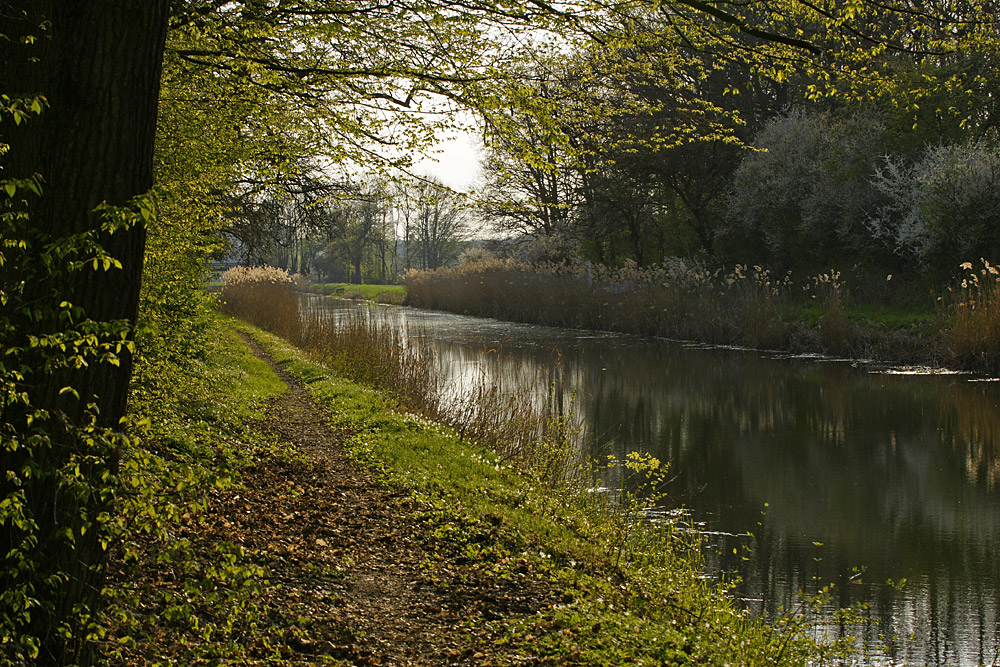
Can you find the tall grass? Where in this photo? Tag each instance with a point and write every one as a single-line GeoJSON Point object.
{"type": "Point", "coordinates": [748, 306]}
{"type": "Point", "coordinates": [263, 296]}
{"type": "Point", "coordinates": [975, 329]}
{"type": "Point", "coordinates": [676, 299]}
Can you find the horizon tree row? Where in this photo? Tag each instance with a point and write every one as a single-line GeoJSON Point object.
{"type": "Point", "coordinates": [358, 232]}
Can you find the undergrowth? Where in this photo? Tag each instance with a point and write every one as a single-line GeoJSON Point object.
{"type": "Point", "coordinates": [193, 434]}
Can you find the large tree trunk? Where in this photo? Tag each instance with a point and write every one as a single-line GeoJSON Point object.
{"type": "Point", "coordinates": [97, 62]}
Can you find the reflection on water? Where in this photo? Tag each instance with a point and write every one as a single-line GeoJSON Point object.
{"type": "Point", "coordinates": [833, 468]}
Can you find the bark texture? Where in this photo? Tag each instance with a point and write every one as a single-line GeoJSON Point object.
{"type": "Point", "coordinates": [98, 63]}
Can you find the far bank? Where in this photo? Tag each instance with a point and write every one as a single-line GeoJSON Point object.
{"type": "Point", "coordinates": [955, 326]}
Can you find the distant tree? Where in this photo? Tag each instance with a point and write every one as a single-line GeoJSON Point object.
{"type": "Point", "coordinates": [803, 198]}
{"type": "Point", "coordinates": [440, 224]}
{"type": "Point", "coordinates": [944, 208]}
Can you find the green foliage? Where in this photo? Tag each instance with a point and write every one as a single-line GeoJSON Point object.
{"type": "Point", "coordinates": [59, 455]}
{"type": "Point", "coordinates": [625, 149]}
{"type": "Point", "coordinates": [192, 439]}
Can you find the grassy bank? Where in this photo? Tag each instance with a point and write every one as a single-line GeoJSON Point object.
{"type": "Point", "coordinates": [188, 586]}
{"type": "Point", "coordinates": [747, 306]}
{"type": "Point", "coordinates": [394, 294]}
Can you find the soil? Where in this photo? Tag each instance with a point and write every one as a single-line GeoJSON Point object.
{"type": "Point", "coordinates": [353, 574]}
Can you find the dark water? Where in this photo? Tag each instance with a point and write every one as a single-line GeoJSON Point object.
{"type": "Point", "coordinates": [834, 468]}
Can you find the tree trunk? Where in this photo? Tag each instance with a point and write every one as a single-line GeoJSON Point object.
{"type": "Point", "coordinates": [98, 65]}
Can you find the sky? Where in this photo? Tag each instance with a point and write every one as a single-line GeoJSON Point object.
{"type": "Point", "coordinates": [456, 163]}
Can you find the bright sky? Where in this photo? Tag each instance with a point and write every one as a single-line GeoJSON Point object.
{"type": "Point", "coordinates": [456, 162]}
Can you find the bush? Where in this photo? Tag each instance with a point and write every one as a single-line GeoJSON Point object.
{"type": "Point", "coordinates": [943, 208]}
{"type": "Point", "coordinates": [803, 197]}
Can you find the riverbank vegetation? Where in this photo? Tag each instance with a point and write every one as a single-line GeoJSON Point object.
{"type": "Point", "coordinates": [748, 306]}
{"type": "Point", "coordinates": [141, 139]}
{"type": "Point", "coordinates": [394, 294]}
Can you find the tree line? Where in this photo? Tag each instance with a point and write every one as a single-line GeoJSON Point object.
{"type": "Point", "coordinates": [670, 137]}
{"type": "Point", "coordinates": [351, 232]}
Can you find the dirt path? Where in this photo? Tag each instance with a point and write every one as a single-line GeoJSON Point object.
{"type": "Point", "coordinates": [310, 560]}
{"type": "Point", "coordinates": [346, 554]}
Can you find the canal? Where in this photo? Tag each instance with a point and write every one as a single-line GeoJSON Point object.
{"type": "Point", "coordinates": [803, 472]}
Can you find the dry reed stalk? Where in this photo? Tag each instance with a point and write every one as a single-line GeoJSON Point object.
{"type": "Point", "coordinates": [674, 300]}
{"type": "Point", "coordinates": [975, 331]}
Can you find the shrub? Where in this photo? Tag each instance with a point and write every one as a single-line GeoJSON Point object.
{"type": "Point", "coordinates": [803, 196]}
{"type": "Point", "coordinates": [944, 207]}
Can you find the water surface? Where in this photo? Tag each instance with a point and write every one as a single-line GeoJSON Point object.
{"type": "Point", "coordinates": [843, 473]}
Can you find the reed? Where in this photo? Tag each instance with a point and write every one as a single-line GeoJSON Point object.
{"type": "Point", "coordinates": [370, 350]}
{"type": "Point", "coordinates": [747, 306]}
{"type": "Point", "coordinates": [263, 296]}
{"type": "Point", "coordinates": [974, 336]}
{"type": "Point", "coordinates": [675, 300]}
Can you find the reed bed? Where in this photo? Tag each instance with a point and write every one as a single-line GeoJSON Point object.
{"type": "Point", "coordinates": [748, 306]}
{"type": "Point", "coordinates": [676, 299]}
{"type": "Point", "coordinates": [263, 296]}
{"type": "Point", "coordinates": [975, 331]}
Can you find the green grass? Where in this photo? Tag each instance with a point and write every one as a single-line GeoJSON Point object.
{"type": "Point", "coordinates": [380, 293]}
{"type": "Point", "coordinates": [651, 607]}
{"type": "Point", "coordinates": [631, 593]}
{"type": "Point", "coordinates": [425, 456]}
{"type": "Point", "coordinates": [888, 318]}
